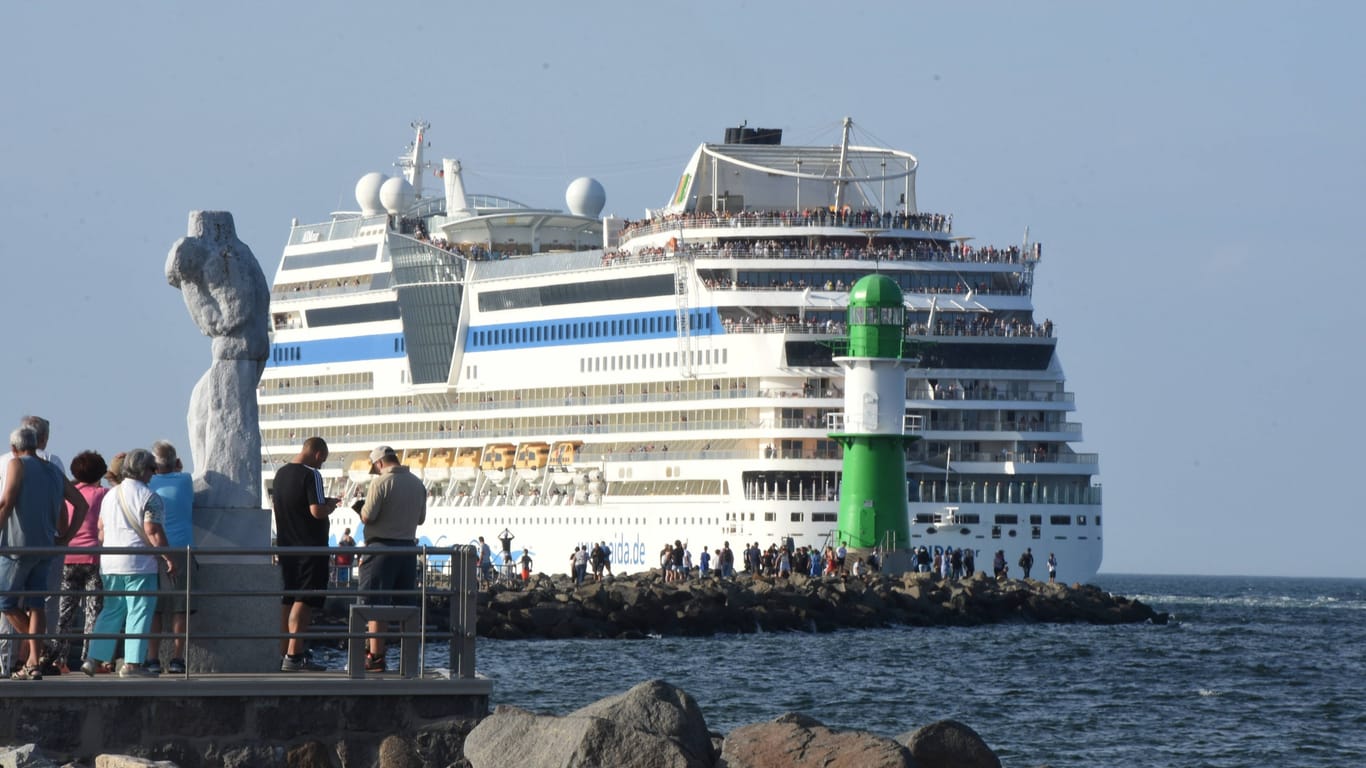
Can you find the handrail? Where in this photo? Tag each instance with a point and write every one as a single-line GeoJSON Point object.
{"type": "Point", "coordinates": [462, 585]}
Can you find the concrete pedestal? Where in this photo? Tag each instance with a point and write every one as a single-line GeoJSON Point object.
{"type": "Point", "coordinates": [248, 528]}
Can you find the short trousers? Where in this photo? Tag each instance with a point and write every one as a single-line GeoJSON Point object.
{"type": "Point", "coordinates": [172, 586]}
{"type": "Point", "coordinates": [25, 573]}
{"type": "Point", "coordinates": [304, 572]}
{"type": "Point", "coordinates": [387, 572]}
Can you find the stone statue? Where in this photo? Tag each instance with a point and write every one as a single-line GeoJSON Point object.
{"type": "Point", "coordinates": [228, 297]}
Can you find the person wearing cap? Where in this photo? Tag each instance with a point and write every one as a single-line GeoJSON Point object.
{"type": "Point", "coordinates": [395, 505]}
{"type": "Point", "coordinates": [301, 512]}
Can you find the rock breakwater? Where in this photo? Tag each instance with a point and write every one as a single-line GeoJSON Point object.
{"type": "Point", "coordinates": [641, 605]}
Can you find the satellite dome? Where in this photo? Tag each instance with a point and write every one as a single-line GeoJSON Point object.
{"type": "Point", "coordinates": [585, 197]}
{"type": "Point", "coordinates": [367, 193]}
{"type": "Point", "coordinates": [396, 195]}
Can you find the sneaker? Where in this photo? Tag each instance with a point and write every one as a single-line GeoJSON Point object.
{"type": "Point", "coordinates": [301, 664]}
{"type": "Point", "coordinates": [374, 663]}
{"type": "Point", "coordinates": [176, 667]}
{"type": "Point", "coordinates": [91, 667]}
{"type": "Point", "coordinates": [153, 666]}
{"type": "Point", "coordinates": [135, 670]}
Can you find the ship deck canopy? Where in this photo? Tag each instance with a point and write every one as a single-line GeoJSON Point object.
{"type": "Point", "coordinates": [736, 177]}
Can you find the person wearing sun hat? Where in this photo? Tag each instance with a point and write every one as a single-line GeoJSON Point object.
{"type": "Point", "coordinates": [395, 505]}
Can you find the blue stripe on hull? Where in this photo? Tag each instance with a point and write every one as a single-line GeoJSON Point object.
{"type": "Point", "coordinates": [596, 329]}
{"type": "Point", "coordinates": [383, 346]}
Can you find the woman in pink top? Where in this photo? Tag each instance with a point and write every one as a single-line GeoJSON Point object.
{"type": "Point", "coordinates": [81, 572]}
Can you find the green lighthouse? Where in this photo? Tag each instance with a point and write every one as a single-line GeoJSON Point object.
{"type": "Point", "coordinates": [873, 483]}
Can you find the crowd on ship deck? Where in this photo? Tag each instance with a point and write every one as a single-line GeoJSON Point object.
{"type": "Point", "coordinates": [796, 249]}
{"type": "Point", "coordinates": [865, 218]}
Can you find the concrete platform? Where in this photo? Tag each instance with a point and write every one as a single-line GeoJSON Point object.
{"type": "Point", "coordinates": [207, 715]}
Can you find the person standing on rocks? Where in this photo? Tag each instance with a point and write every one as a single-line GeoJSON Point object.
{"type": "Point", "coordinates": [580, 565]}
{"type": "Point", "coordinates": [1027, 561]}
{"type": "Point", "coordinates": [705, 562]}
{"type": "Point", "coordinates": [301, 512]}
{"type": "Point", "coordinates": [486, 561]}
{"type": "Point", "coordinates": [1052, 568]}
{"type": "Point", "coordinates": [526, 564]}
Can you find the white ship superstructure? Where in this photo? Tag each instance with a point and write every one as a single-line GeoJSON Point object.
{"type": "Point", "coordinates": [574, 379]}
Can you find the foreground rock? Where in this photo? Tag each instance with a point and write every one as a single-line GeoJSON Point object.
{"type": "Point", "coordinates": [799, 741]}
{"type": "Point", "coordinates": [656, 725]}
{"type": "Point", "coordinates": [949, 744]}
{"type": "Point", "coordinates": [653, 725]}
{"type": "Point", "coordinates": [643, 604]}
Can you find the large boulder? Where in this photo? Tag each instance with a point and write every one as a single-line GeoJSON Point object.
{"type": "Point", "coordinates": [796, 741]}
{"type": "Point", "coordinates": [512, 736]}
{"type": "Point", "coordinates": [656, 707]}
{"type": "Point", "coordinates": [949, 744]}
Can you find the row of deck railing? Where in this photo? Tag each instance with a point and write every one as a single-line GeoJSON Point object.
{"type": "Point", "coordinates": [444, 572]}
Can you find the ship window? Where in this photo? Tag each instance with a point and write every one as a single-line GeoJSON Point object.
{"type": "Point", "coordinates": [796, 517]}
{"type": "Point", "coordinates": [1060, 519]}
{"type": "Point", "coordinates": [1036, 519]}
{"type": "Point", "coordinates": [1081, 519]}
{"type": "Point", "coordinates": [770, 517]}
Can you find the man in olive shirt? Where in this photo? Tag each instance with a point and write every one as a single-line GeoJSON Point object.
{"type": "Point", "coordinates": [395, 505]}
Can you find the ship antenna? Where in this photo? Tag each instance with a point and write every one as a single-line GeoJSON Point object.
{"type": "Point", "coordinates": [844, 154]}
{"type": "Point", "coordinates": [411, 161]}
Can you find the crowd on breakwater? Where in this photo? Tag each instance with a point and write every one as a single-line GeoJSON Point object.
{"type": "Point", "coordinates": [649, 603]}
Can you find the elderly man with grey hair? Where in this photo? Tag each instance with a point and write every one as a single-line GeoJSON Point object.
{"type": "Point", "coordinates": [176, 489]}
{"type": "Point", "coordinates": [42, 428]}
{"type": "Point", "coordinates": [32, 515]}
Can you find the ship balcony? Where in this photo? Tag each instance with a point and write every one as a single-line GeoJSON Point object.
{"type": "Point", "coordinates": [1026, 462]}
{"type": "Point", "coordinates": [842, 422]}
{"type": "Point", "coordinates": [984, 429]}
{"type": "Point", "coordinates": [1014, 491]}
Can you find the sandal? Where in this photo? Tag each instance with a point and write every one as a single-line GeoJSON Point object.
{"type": "Point", "coordinates": [373, 663]}
{"type": "Point", "coordinates": [27, 673]}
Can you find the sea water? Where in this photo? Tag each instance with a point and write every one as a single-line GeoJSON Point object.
{"type": "Point", "coordinates": [1252, 671]}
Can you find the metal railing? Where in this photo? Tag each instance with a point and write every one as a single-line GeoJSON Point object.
{"type": "Point", "coordinates": [447, 572]}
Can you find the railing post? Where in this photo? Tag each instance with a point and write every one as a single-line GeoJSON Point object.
{"type": "Point", "coordinates": [464, 622]}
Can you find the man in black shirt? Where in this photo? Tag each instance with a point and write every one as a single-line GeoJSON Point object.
{"type": "Point", "coordinates": [301, 512]}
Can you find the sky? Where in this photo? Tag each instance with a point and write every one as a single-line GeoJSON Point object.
{"type": "Point", "coordinates": [1194, 172]}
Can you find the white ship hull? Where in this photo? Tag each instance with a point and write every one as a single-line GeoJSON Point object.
{"type": "Point", "coordinates": [575, 380]}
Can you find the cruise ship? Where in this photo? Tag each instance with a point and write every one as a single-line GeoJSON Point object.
{"type": "Point", "coordinates": [560, 377]}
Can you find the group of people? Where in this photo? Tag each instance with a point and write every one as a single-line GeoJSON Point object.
{"type": "Point", "coordinates": [395, 504]}
{"type": "Point", "coordinates": [598, 556]}
{"type": "Point", "coordinates": [143, 498]}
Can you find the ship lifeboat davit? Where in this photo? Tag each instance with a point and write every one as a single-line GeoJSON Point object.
{"type": "Point", "coordinates": [466, 467]}
{"type": "Point", "coordinates": [560, 466]}
{"type": "Point", "coordinates": [439, 465]}
{"type": "Point", "coordinates": [531, 460]}
{"type": "Point", "coordinates": [359, 471]}
{"type": "Point", "coordinates": [497, 460]}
